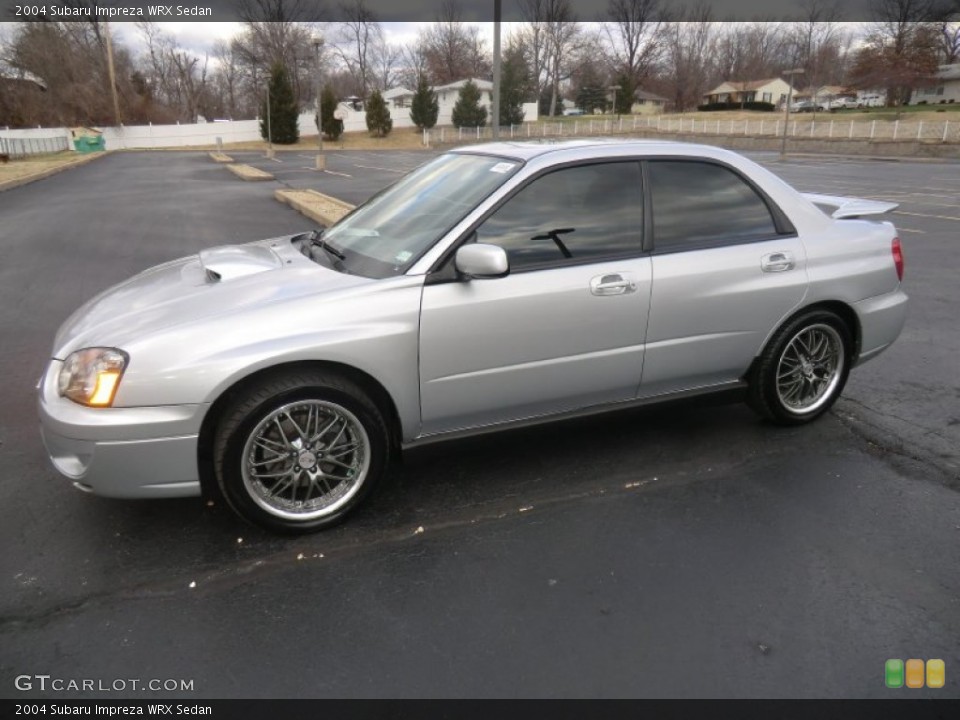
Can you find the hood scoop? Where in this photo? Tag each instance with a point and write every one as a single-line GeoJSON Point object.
{"type": "Point", "coordinates": [236, 261]}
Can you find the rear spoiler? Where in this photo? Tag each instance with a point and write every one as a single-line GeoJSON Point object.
{"type": "Point", "coordinates": [847, 207]}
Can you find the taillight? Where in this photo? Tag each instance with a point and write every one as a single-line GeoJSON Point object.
{"type": "Point", "coordinates": [898, 257]}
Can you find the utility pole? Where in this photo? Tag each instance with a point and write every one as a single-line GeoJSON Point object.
{"type": "Point", "coordinates": [111, 74]}
{"type": "Point", "coordinates": [269, 131]}
{"type": "Point", "coordinates": [616, 89]}
{"type": "Point", "coordinates": [321, 160]}
{"type": "Point", "coordinates": [786, 111]}
{"type": "Point", "coordinates": [495, 127]}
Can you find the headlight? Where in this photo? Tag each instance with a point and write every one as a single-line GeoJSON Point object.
{"type": "Point", "coordinates": [91, 376]}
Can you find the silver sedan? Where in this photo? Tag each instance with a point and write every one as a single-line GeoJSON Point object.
{"type": "Point", "coordinates": [494, 285]}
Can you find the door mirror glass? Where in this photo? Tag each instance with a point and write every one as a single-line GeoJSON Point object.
{"type": "Point", "coordinates": [478, 260]}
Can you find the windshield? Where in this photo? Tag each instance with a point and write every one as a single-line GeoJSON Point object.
{"type": "Point", "coordinates": [386, 235]}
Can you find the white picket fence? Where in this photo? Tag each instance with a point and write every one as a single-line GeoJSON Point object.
{"type": "Point", "coordinates": [15, 148]}
{"type": "Point", "coordinates": [197, 134]}
{"type": "Point", "coordinates": [826, 128]}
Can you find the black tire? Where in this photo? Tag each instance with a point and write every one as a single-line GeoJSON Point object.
{"type": "Point", "coordinates": [269, 448]}
{"type": "Point", "coordinates": [802, 392]}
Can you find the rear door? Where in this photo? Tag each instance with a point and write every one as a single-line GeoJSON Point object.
{"type": "Point", "coordinates": [565, 328]}
{"type": "Point", "coordinates": [727, 268]}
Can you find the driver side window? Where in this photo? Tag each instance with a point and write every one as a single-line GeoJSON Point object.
{"type": "Point", "coordinates": [570, 216]}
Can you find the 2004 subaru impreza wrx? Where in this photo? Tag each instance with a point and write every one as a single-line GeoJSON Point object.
{"type": "Point", "coordinates": [494, 284]}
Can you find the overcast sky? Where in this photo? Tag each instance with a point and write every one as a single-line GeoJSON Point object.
{"type": "Point", "coordinates": [200, 36]}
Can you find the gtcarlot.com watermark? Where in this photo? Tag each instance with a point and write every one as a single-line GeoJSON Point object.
{"type": "Point", "coordinates": [49, 683]}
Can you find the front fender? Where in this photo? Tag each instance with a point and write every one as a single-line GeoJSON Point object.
{"type": "Point", "coordinates": [375, 331]}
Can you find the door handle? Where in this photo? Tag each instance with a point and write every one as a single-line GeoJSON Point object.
{"type": "Point", "coordinates": [777, 262]}
{"type": "Point", "coordinates": [612, 284]}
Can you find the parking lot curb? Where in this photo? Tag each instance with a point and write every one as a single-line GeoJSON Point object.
{"type": "Point", "coordinates": [876, 158]}
{"type": "Point", "coordinates": [220, 157]}
{"type": "Point", "coordinates": [249, 173]}
{"type": "Point", "coordinates": [17, 182]}
{"type": "Point", "coordinates": [321, 208]}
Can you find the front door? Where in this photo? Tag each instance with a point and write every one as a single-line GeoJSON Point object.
{"type": "Point", "coordinates": [565, 329]}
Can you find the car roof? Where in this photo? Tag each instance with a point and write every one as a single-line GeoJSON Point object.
{"type": "Point", "coordinates": [529, 150]}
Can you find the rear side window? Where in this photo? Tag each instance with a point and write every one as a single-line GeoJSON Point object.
{"type": "Point", "coordinates": [697, 204]}
{"type": "Point", "coordinates": [570, 216]}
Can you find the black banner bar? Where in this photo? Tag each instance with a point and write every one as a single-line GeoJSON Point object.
{"type": "Point", "coordinates": [388, 10]}
{"type": "Point", "coordinates": [918, 709]}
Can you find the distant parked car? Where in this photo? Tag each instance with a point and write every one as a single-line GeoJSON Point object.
{"type": "Point", "coordinates": [495, 285]}
{"type": "Point", "coordinates": [573, 111]}
{"type": "Point", "coordinates": [843, 103]}
{"type": "Point", "coordinates": [807, 106]}
{"type": "Point", "coordinates": [870, 101]}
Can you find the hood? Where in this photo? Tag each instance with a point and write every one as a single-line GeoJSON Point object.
{"type": "Point", "coordinates": [218, 281]}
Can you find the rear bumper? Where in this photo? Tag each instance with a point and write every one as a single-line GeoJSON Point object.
{"type": "Point", "coordinates": [881, 321]}
{"type": "Point", "coordinates": [148, 452]}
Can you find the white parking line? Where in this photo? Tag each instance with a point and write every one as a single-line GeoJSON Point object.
{"type": "Point", "coordinates": [328, 172]}
{"type": "Point", "coordinates": [908, 230]}
{"type": "Point", "coordinates": [373, 167]}
{"type": "Point", "coordinates": [925, 215]}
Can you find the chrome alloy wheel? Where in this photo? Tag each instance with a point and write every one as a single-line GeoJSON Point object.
{"type": "Point", "coordinates": [305, 460]}
{"type": "Point", "coordinates": [810, 368]}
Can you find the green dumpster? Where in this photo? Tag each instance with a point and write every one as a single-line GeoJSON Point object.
{"type": "Point", "coordinates": [89, 144]}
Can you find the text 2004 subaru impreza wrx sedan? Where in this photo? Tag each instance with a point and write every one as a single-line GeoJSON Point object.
{"type": "Point", "coordinates": [493, 284]}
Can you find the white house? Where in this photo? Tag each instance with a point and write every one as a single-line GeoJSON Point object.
{"type": "Point", "coordinates": [944, 88]}
{"type": "Point", "coordinates": [400, 99]}
{"type": "Point", "coordinates": [772, 90]}
{"type": "Point", "coordinates": [648, 103]}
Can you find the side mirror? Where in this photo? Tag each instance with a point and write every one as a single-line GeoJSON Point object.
{"type": "Point", "coordinates": [481, 261]}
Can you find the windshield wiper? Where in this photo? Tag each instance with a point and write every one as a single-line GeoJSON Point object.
{"type": "Point", "coordinates": [316, 239]}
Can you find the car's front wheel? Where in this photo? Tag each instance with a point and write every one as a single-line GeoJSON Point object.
{"type": "Point", "coordinates": [803, 369]}
{"type": "Point", "coordinates": [300, 451]}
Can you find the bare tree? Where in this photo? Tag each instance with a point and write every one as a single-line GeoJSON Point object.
{"type": "Point", "coordinates": [950, 37]}
{"type": "Point", "coordinates": [815, 44]}
{"type": "Point", "coordinates": [279, 31]}
{"type": "Point", "coordinates": [902, 50]}
{"type": "Point", "coordinates": [69, 60]}
{"type": "Point", "coordinates": [689, 41]}
{"type": "Point", "coordinates": [555, 48]}
{"type": "Point", "coordinates": [454, 51]}
{"type": "Point", "coordinates": [633, 36]}
{"type": "Point", "coordinates": [357, 37]}
{"type": "Point", "coordinates": [226, 80]}
{"type": "Point", "coordinates": [413, 64]}
{"type": "Point", "coordinates": [385, 62]}
{"type": "Point", "coordinates": [178, 79]}
{"type": "Point", "coordinates": [531, 39]}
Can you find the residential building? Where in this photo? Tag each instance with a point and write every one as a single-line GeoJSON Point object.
{"type": "Point", "coordinates": [399, 100]}
{"type": "Point", "coordinates": [648, 103]}
{"type": "Point", "coordinates": [943, 89]}
{"type": "Point", "coordinates": [771, 90]}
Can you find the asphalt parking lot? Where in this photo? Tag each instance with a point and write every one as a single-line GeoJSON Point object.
{"type": "Point", "coordinates": [686, 551]}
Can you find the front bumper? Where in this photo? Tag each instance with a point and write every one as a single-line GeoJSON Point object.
{"type": "Point", "coordinates": [142, 452]}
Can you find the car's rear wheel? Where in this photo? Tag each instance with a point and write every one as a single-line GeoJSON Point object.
{"type": "Point", "coordinates": [299, 452]}
{"type": "Point", "coordinates": [803, 369]}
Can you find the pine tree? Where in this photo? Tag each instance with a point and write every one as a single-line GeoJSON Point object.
{"type": "Point", "coordinates": [424, 108]}
{"type": "Point", "coordinates": [591, 92]}
{"type": "Point", "coordinates": [378, 115]}
{"type": "Point", "coordinates": [514, 83]}
{"type": "Point", "coordinates": [468, 112]}
{"type": "Point", "coordinates": [625, 95]}
{"type": "Point", "coordinates": [283, 109]}
{"type": "Point", "coordinates": [332, 128]}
